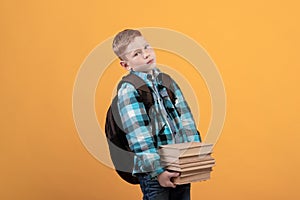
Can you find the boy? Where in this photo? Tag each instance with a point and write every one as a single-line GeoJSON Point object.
{"type": "Point", "coordinates": [165, 123]}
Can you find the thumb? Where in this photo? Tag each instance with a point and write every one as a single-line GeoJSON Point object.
{"type": "Point", "coordinates": [173, 174]}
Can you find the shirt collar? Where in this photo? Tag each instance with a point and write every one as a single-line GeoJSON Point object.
{"type": "Point", "coordinates": [146, 76]}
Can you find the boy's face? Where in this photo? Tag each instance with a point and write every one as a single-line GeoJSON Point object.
{"type": "Point", "coordinates": [139, 56]}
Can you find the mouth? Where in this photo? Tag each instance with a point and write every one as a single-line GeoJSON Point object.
{"type": "Point", "coordinates": [150, 61]}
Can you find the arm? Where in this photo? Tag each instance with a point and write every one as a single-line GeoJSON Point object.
{"type": "Point", "coordinates": [186, 116]}
{"type": "Point", "coordinates": [136, 124]}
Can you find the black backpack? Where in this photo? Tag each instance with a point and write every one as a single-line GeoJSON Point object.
{"type": "Point", "coordinates": [120, 153]}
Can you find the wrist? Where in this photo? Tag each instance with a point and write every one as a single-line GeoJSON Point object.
{"type": "Point", "coordinates": [157, 172]}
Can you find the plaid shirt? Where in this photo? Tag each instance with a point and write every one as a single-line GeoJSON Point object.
{"type": "Point", "coordinates": [162, 125]}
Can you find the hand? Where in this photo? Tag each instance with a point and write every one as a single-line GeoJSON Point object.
{"type": "Point", "coordinates": [164, 179]}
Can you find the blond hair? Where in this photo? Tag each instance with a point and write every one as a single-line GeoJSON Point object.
{"type": "Point", "coordinates": [122, 40]}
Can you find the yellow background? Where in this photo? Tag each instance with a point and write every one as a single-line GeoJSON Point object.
{"type": "Point", "coordinates": [255, 45]}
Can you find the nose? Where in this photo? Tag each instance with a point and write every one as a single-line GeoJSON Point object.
{"type": "Point", "coordinates": [145, 53]}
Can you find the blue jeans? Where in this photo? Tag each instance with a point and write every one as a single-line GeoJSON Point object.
{"type": "Point", "coordinates": [153, 191]}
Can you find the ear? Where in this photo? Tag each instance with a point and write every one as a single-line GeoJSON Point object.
{"type": "Point", "coordinates": [125, 65]}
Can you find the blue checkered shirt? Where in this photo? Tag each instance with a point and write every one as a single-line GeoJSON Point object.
{"type": "Point", "coordinates": [161, 125]}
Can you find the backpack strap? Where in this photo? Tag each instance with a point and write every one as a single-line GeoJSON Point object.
{"type": "Point", "coordinates": [145, 95]}
{"type": "Point", "coordinates": [167, 82]}
{"type": "Point", "coordinates": [136, 81]}
{"type": "Point", "coordinates": [145, 92]}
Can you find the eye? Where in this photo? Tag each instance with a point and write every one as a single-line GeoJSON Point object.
{"type": "Point", "coordinates": [147, 46]}
{"type": "Point", "coordinates": [136, 53]}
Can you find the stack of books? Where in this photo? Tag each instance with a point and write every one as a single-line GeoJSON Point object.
{"type": "Point", "coordinates": [192, 160]}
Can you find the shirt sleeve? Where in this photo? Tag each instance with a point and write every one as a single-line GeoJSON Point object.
{"type": "Point", "coordinates": [136, 124]}
{"type": "Point", "coordinates": [186, 116]}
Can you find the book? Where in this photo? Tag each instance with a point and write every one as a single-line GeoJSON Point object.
{"type": "Point", "coordinates": [189, 165]}
{"type": "Point", "coordinates": [192, 160]}
{"type": "Point", "coordinates": [185, 149]}
{"type": "Point", "coordinates": [194, 172]}
{"type": "Point", "coordinates": [184, 160]}
{"type": "Point", "coordinates": [198, 167]}
{"type": "Point", "coordinates": [193, 178]}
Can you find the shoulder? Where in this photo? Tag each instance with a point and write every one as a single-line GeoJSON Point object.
{"type": "Point", "coordinates": [168, 81]}
{"type": "Point", "coordinates": [166, 78]}
{"type": "Point", "coordinates": [125, 89]}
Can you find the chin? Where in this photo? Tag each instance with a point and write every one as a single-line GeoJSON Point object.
{"type": "Point", "coordinates": [152, 65]}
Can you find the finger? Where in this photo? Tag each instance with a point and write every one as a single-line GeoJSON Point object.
{"type": "Point", "coordinates": [174, 174]}
{"type": "Point", "coordinates": [168, 184]}
{"type": "Point", "coordinates": [172, 184]}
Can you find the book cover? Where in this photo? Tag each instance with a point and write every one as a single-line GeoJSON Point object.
{"type": "Point", "coordinates": [194, 172]}
{"type": "Point", "coordinates": [193, 178]}
{"type": "Point", "coordinates": [179, 169]}
{"type": "Point", "coordinates": [189, 165]}
{"type": "Point", "coordinates": [183, 160]}
{"type": "Point", "coordinates": [185, 149]}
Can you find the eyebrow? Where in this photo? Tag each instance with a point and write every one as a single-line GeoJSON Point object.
{"type": "Point", "coordinates": [134, 51]}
